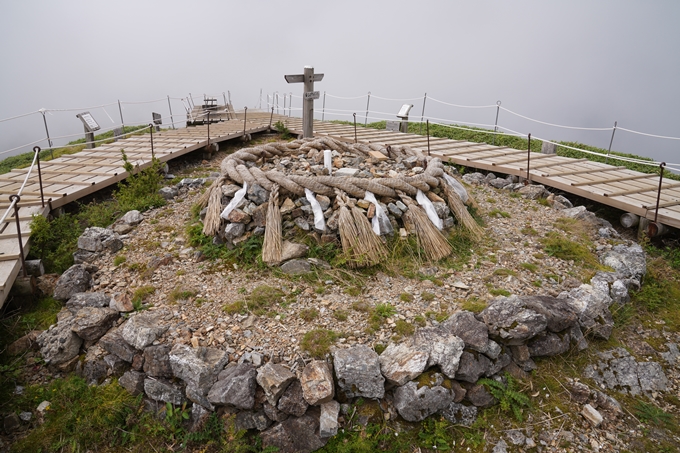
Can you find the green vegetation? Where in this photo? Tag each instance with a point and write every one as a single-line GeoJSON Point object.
{"type": "Point", "coordinates": [283, 130]}
{"type": "Point", "coordinates": [309, 314]}
{"type": "Point", "coordinates": [530, 267]}
{"type": "Point", "coordinates": [119, 259]}
{"type": "Point", "coordinates": [499, 213]}
{"type": "Point", "coordinates": [179, 293]}
{"type": "Point", "coordinates": [257, 302]}
{"type": "Point", "coordinates": [405, 297]}
{"type": "Point", "coordinates": [499, 292]}
{"type": "Point", "coordinates": [508, 395]}
{"type": "Point", "coordinates": [653, 415]}
{"type": "Point", "coordinates": [317, 342]}
{"type": "Point", "coordinates": [404, 328]}
{"type": "Point", "coordinates": [340, 315]}
{"type": "Point", "coordinates": [141, 294]}
{"type": "Point", "coordinates": [427, 296]}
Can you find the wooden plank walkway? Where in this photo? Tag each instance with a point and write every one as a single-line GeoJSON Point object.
{"type": "Point", "coordinates": [71, 177]}
{"type": "Point", "coordinates": [612, 185]}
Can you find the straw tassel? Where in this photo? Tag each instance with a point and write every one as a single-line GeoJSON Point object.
{"type": "Point", "coordinates": [272, 246]}
{"type": "Point", "coordinates": [460, 211]}
{"type": "Point", "coordinates": [430, 239]}
{"type": "Point", "coordinates": [359, 242]}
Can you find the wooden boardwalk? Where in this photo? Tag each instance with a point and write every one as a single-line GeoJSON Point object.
{"type": "Point", "coordinates": [71, 177]}
{"type": "Point", "coordinates": [612, 185]}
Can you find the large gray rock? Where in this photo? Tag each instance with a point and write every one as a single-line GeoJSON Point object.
{"type": "Point", "coordinates": [298, 266]}
{"type": "Point", "coordinates": [292, 401]}
{"type": "Point", "coordinates": [133, 382]}
{"type": "Point", "coordinates": [157, 361]}
{"type": "Point", "coordinates": [75, 280]}
{"type": "Point", "coordinates": [511, 322]}
{"type": "Point", "coordinates": [400, 363]}
{"type": "Point", "coordinates": [162, 390]}
{"type": "Point", "coordinates": [133, 217]}
{"type": "Point", "coordinates": [114, 343]}
{"type": "Point", "coordinates": [257, 194]}
{"type": "Point", "coordinates": [549, 344]}
{"type": "Point", "coordinates": [443, 348]}
{"type": "Point", "coordinates": [474, 333]}
{"type": "Point", "coordinates": [142, 329]}
{"type": "Point", "coordinates": [59, 343]}
{"type": "Point", "coordinates": [91, 323]}
{"type": "Point", "coordinates": [317, 383]}
{"type": "Point", "coordinates": [534, 192]}
{"type": "Point", "coordinates": [295, 435]}
{"type": "Point", "coordinates": [96, 239]}
{"type": "Point", "coordinates": [234, 231]}
{"type": "Point", "coordinates": [82, 300]}
{"type": "Point", "coordinates": [473, 366]}
{"type": "Point", "coordinates": [619, 371]}
{"type": "Point", "coordinates": [274, 379]}
{"type": "Point", "coordinates": [235, 387]}
{"type": "Point", "coordinates": [628, 261]}
{"type": "Point", "coordinates": [591, 303]}
{"type": "Point", "coordinates": [291, 250]}
{"type": "Point", "coordinates": [252, 420]}
{"type": "Point", "coordinates": [479, 396]}
{"type": "Point", "coordinates": [93, 368]}
{"type": "Point", "coordinates": [558, 313]}
{"type": "Point", "coordinates": [358, 372]}
{"type": "Point", "coordinates": [415, 404]}
{"type": "Point", "coordinates": [198, 368]}
{"type": "Point", "coordinates": [458, 414]}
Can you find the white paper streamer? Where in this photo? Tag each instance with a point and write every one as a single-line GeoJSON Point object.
{"type": "Point", "coordinates": [328, 161]}
{"type": "Point", "coordinates": [429, 209]}
{"type": "Point", "coordinates": [319, 222]}
{"type": "Point", "coordinates": [380, 222]}
{"type": "Point", "coordinates": [238, 197]}
{"type": "Point", "coordinates": [458, 187]}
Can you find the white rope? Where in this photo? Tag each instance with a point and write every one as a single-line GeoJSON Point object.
{"type": "Point", "coordinates": [648, 135]}
{"type": "Point", "coordinates": [390, 99]}
{"type": "Point", "coordinates": [472, 130]}
{"type": "Point", "coordinates": [18, 116]}
{"type": "Point", "coordinates": [144, 102]}
{"type": "Point", "coordinates": [455, 122]}
{"type": "Point", "coordinates": [462, 106]}
{"type": "Point", "coordinates": [22, 146]}
{"type": "Point", "coordinates": [558, 125]}
{"type": "Point", "coordinates": [82, 108]}
{"type": "Point", "coordinates": [347, 98]}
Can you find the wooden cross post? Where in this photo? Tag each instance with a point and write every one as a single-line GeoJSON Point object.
{"type": "Point", "coordinates": [308, 96]}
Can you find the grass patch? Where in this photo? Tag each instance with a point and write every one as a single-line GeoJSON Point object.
{"type": "Point", "coordinates": [530, 267]}
{"type": "Point", "coordinates": [119, 259]}
{"type": "Point", "coordinates": [474, 305]}
{"type": "Point", "coordinates": [499, 292]}
{"type": "Point", "coordinates": [141, 294]}
{"type": "Point", "coordinates": [405, 297]}
{"type": "Point", "coordinates": [317, 342]}
{"type": "Point", "coordinates": [499, 213]}
{"type": "Point", "coordinates": [340, 315]}
{"type": "Point", "coordinates": [309, 314]}
{"type": "Point", "coordinates": [257, 302]}
{"type": "Point", "coordinates": [404, 328]}
{"type": "Point", "coordinates": [503, 272]}
{"type": "Point", "coordinates": [529, 231]}
{"type": "Point", "coordinates": [180, 293]}
{"type": "Point", "coordinates": [427, 296]}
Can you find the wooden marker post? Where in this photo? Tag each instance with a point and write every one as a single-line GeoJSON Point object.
{"type": "Point", "coordinates": [308, 78]}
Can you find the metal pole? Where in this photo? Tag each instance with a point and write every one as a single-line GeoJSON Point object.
{"type": "Point", "coordinates": [260, 106]}
{"type": "Point", "coordinates": [224, 96]}
{"type": "Point", "coordinates": [208, 129]}
{"type": "Point", "coordinates": [172, 119]}
{"type": "Point", "coordinates": [422, 115]}
{"type": "Point", "coordinates": [528, 159]}
{"type": "Point", "coordinates": [658, 195]}
{"type": "Point", "coordinates": [36, 149]}
{"type": "Point", "coordinates": [229, 95]}
{"type": "Point", "coordinates": [355, 127]}
{"type": "Point", "coordinates": [193, 104]}
{"type": "Point", "coordinates": [284, 104]}
{"type": "Point", "coordinates": [428, 136]}
{"type": "Point", "coordinates": [495, 124]}
{"type": "Point", "coordinates": [277, 102]}
{"type": "Point", "coordinates": [122, 123]}
{"type": "Point", "coordinates": [368, 102]}
{"type": "Point", "coordinates": [323, 110]}
{"type": "Point", "coordinates": [610, 144]}
{"type": "Point", "coordinates": [290, 104]}
{"type": "Point", "coordinates": [49, 141]}
{"type": "Point", "coordinates": [151, 130]}
{"type": "Point", "coordinates": [245, 116]}
{"type": "Point", "coordinates": [16, 218]}
{"type": "Point", "coordinates": [271, 117]}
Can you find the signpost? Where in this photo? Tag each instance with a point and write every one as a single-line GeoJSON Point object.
{"type": "Point", "coordinates": [90, 126]}
{"type": "Point", "coordinates": [308, 79]}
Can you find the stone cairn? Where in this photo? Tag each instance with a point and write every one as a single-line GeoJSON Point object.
{"type": "Point", "coordinates": [395, 176]}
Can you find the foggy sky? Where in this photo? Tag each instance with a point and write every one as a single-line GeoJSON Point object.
{"type": "Point", "coordinates": [577, 63]}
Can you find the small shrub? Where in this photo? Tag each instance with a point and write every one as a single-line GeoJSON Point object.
{"type": "Point", "coordinates": [529, 231]}
{"type": "Point", "coordinates": [405, 297]}
{"type": "Point", "coordinates": [340, 315]}
{"type": "Point", "coordinates": [309, 314]}
{"type": "Point", "coordinates": [403, 328]}
{"type": "Point", "coordinates": [119, 259]}
{"type": "Point", "coordinates": [180, 294]}
{"type": "Point", "coordinates": [385, 310]}
{"type": "Point", "coordinates": [508, 395]}
{"type": "Point", "coordinates": [427, 297]}
{"type": "Point", "coordinates": [141, 294]}
{"type": "Point", "coordinates": [420, 320]}
{"type": "Point", "coordinates": [653, 415]}
{"type": "Point", "coordinates": [317, 342]}
{"type": "Point", "coordinates": [379, 348]}
{"type": "Point", "coordinates": [499, 292]}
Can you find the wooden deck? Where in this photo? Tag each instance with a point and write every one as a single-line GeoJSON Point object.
{"type": "Point", "coordinates": [71, 177]}
{"type": "Point", "coordinates": [612, 185]}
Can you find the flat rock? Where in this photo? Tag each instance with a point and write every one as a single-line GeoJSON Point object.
{"type": "Point", "coordinates": [328, 421]}
{"type": "Point", "coordinates": [197, 366]}
{"type": "Point", "coordinates": [511, 322]}
{"type": "Point", "coordinates": [400, 363]}
{"type": "Point", "coordinates": [592, 415]}
{"type": "Point", "coordinates": [91, 323]}
{"type": "Point", "coordinates": [157, 361]}
{"type": "Point", "coordinates": [459, 414]}
{"type": "Point", "coordinates": [629, 261]}
{"type": "Point", "coordinates": [534, 192]}
{"type": "Point", "coordinates": [472, 367]}
{"type": "Point", "coordinates": [133, 217]}
{"type": "Point", "coordinates": [291, 250]}
{"type": "Point", "coordinates": [162, 390]}
{"type": "Point", "coordinates": [296, 266]}
{"type": "Point", "coordinates": [549, 344]}
{"type": "Point", "coordinates": [443, 348]}
{"type": "Point", "coordinates": [81, 300]}
{"type": "Point", "coordinates": [114, 343]}
{"type": "Point", "coordinates": [317, 383]}
{"type": "Point", "coordinates": [274, 379]}
{"type": "Point", "coordinates": [358, 372]}
{"type": "Point", "coordinates": [473, 332]}
{"type": "Point", "coordinates": [252, 420]}
{"type": "Point", "coordinates": [415, 404]}
{"type": "Point", "coordinates": [142, 329]}
{"type": "Point", "coordinates": [479, 396]}
{"type": "Point", "coordinates": [591, 303]}
{"type": "Point", "coordinates": [559, 314]}
{"type": "Point", "coordinates": [133, 382]}
{"type": "Point", "coordinates": [295, 435]}
{"type": "Point", "coordinates": [235, 387]}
